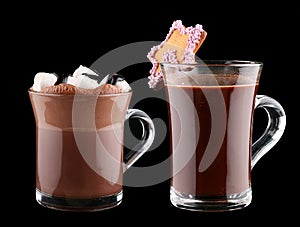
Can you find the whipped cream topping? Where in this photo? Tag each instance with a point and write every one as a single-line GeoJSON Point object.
{"type": "Point", "coordinates": [194, 36]}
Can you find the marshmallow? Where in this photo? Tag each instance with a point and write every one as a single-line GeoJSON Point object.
{"type": "Point", "coordinates": [84, 77]}
{"type": "Point", "coordinates": [116, 80]}
{"type": "Point", "coordinates": [123, 85]}
{"type": "Point", "coordinates": [43, 80]}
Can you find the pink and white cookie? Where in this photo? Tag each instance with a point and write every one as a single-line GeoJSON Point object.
{"type": "Point", "coordinates": [179, 46]}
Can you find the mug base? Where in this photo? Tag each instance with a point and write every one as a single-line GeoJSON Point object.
{"type": "Point", "coordinates": [211, 203]}
{"type": "Point", "coordinates": [82, 205]}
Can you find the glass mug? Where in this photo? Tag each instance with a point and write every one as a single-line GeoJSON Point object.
{"type": "Point", "coordinates": [211, 106]}
{"type": "Point", "coordinates": [79, 149]}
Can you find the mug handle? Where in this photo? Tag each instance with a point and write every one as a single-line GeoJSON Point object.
{"type": "Point", "coordinates": [146, 140]}
{"type": "Point", "coordinates": [274, 130]}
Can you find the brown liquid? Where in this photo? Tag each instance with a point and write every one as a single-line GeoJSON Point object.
{"type": "Point", "coordinates": [219, 149]}
{"type": "Point", "coordinates": [79, 155]}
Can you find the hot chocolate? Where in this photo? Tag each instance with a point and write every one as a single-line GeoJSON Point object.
{"type": "Point", "coordinates": [70, 144]}
{"type": "Point", "coordinates": [220, 177]}
{"type": "Point", "coordinates": [79, 138]}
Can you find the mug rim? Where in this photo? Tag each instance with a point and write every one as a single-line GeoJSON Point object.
{"type": "Point", "coordinates": [77, 94]}
{"type": "Point", "coordinates": [234, 63]}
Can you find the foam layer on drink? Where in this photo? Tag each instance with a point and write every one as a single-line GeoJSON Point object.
{"type": "Point", "coordinates": [208, 80]}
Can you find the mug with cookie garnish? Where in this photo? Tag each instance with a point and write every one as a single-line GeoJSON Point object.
{"type": "Point", "coordinates": [211, 106]}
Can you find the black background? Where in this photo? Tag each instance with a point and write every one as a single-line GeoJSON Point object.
{"type": "Point", "coordinates": [60, 38]}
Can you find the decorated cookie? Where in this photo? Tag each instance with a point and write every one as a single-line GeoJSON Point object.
{"type": "Point", "coordinates": [179, 46]}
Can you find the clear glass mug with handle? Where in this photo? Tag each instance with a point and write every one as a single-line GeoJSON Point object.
{"type": "Point", "coordinates": [79, 149]}
{"type": "Point", "coordinates": [211, 107]}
